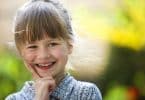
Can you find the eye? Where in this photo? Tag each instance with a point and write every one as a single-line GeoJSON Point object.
{"type": "Point", "coordinates": [32, 47]}
{"type": "Point", "coordinates": [53, 44]}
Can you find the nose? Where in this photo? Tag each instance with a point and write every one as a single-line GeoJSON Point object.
{"type": "Point", "coordinates": [43, 53]}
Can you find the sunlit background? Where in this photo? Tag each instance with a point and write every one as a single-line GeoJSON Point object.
{"type": "Point", "coordinates": [109, 47]}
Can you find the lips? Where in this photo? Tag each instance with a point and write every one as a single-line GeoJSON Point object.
{"type": "Point", "coordinates": [45, 66]}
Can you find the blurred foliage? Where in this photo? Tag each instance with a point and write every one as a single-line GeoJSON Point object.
{"type": "Point", "coordinates": [117, 93]}
{"type": "Point", "coordinates": [126, 67]}
{"type": "Point", "coordinates": [91, 23]}
{"type": "Point", "coordinates": [124, 30]}
{"type": "Point", "coordinates": [12, 72]}
{"type": "Point", "coordinates": [129, 25]}
{"type": "Point", "coordinates": [124, 26]}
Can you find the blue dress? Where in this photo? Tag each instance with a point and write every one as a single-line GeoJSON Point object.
{"type": "Point", "coordinates": [68, 89]}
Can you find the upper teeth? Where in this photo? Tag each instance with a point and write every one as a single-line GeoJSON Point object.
{"type": "Point", "coordinates": [45, 64]}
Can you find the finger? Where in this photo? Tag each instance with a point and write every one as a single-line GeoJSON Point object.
{"type": "Point", "coordinates": [35, 73]}
{"type": "Point", "coordinates": [33, 70]}
{"type": "Point", "coordinates": [52, 86]}
{"type": "Point", "coordinates": [47, 82]}
{"type": "Point", "coordinates": [48, 79]}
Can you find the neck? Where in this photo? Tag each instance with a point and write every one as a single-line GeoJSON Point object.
{"type": "Point", "coordinates": [59, 77]}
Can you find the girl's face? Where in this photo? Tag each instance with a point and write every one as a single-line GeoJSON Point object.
{"type": "Point", "coordinates": [46, 57]}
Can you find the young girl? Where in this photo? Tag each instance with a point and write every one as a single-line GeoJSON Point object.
{"type": "Point", "coordinates": [44, 38]}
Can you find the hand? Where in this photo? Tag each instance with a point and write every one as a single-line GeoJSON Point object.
{"type": "Point", "coordinates": [43, 87]}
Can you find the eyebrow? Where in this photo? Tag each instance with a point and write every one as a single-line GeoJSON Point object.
{"type": "Point", "coordinates": [49, 40]}
{"type": "Point", "coordinates": [54, 39]}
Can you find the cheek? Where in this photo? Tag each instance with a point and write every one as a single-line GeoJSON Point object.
{"type": "Point", "coordinates": [28, 57]}
{"type": "Point", "coordinates": [60, 53]}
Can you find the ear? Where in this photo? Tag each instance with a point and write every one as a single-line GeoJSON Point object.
{"type": "Point", "coordinates": [70, 44]}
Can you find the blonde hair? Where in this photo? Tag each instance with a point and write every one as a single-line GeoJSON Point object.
{"type": "Point", "coordinates": [41, 18]}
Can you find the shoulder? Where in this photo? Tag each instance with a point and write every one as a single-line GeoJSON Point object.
{"type": "Point", "coordinates": [88, 91]}
{"type": "Point", "coordinates": [72, 89]}
{"type": "Point", "coordinates": [14, 96]}
{"type": "Point", "coordinates": [24, 94]}
{"type": "Point", "coordinates": [11, 97]}
{"type": "Point", "coordinates": [85, 90]}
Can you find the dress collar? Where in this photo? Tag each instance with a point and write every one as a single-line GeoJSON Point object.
{"type": "Point", "coordinates": [64, 88]}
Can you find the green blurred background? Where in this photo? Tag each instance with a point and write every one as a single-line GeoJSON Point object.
{"type": "Point", "coordinates": [109, 48]}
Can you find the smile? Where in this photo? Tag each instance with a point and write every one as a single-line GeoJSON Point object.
{"type": "Point", "coordinates": [45, 66]}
